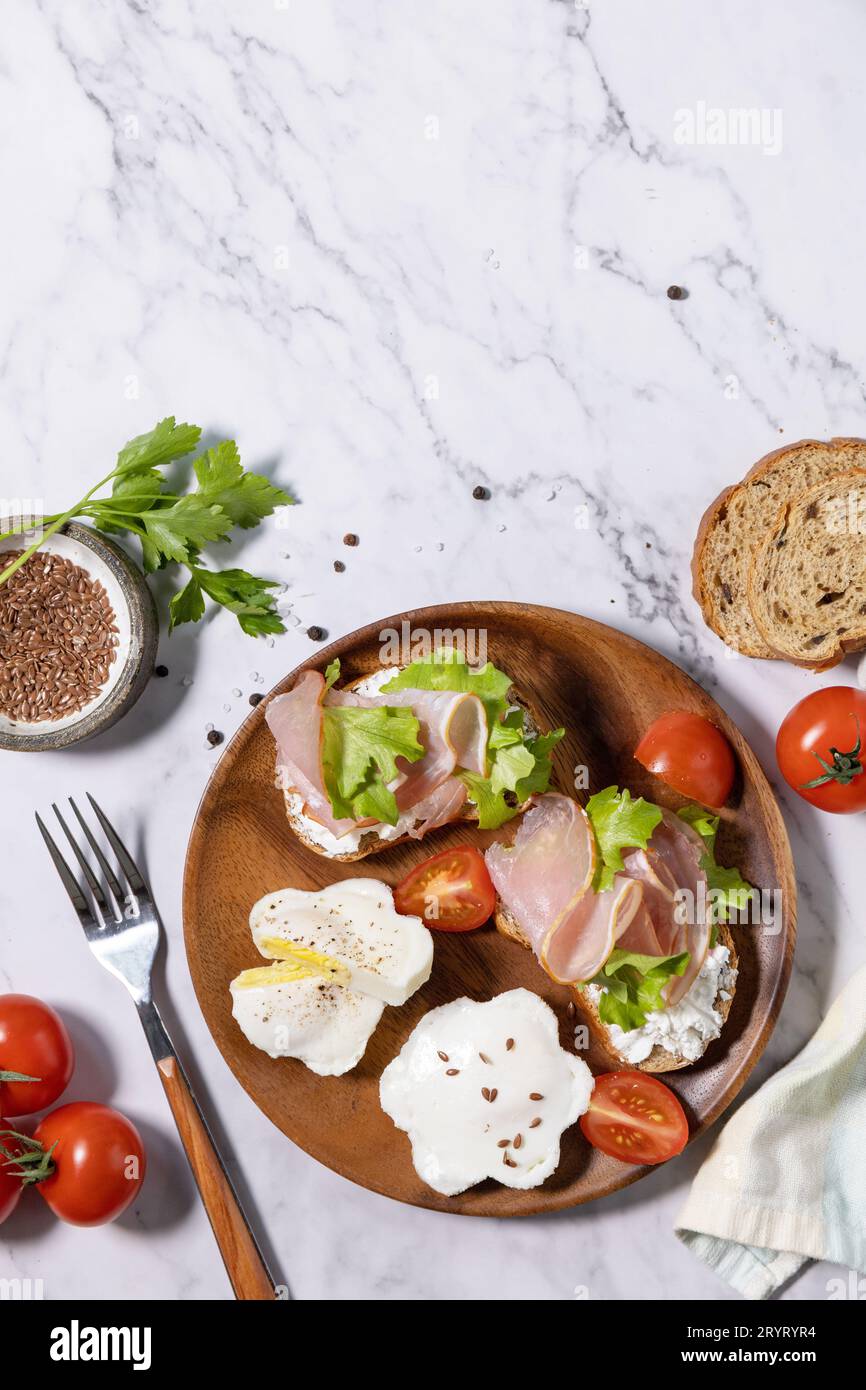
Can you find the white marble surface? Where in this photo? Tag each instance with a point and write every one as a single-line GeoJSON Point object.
{"type": "Point", "coordinates": [398, 250]}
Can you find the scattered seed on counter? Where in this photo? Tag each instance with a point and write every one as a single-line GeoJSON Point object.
{"type": "Point", "coordinates": [339, 567]}
{"type": "Point", "coordinates": [207, 728]}
{"type": "Point", "coordinates": [254, 676]}
{"type": "Point", "coordinates": [215, 737]}
{"type": "Point", "coordinates": [481, 494]}
{"type": "Point", "coordinates": [677, 292]}
{"type": "Point", "coordinates": [256, 699]}
{"type": "Point", "coordinates": [236, 693]}
{"type": "Point", "coordinates": [160, 671]}
{"type": "Point", "coordinates": [227, 708]}
{"type": "Point", "coordinates": [350, 538]}
{"type": "Point", "coordinates": [316, 634]}
{"type": "Point", "coordinates": [187, 680]}
{"type": "Point", "coordinates": [58, 638]}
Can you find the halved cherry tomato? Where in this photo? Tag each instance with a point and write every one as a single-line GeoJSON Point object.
{"type": "Point", "coordinates": [819, 749]}
{"type": "Point", "coordinates": [99, 1162]}
{"type": "Point", "coordinates": [33, 1042]}
{"type": "Point", "coordinates": [450, 892]}
{"type": "Point", "coordinates": [634, 1117]}
{"type": "Point", "coordinates": [691, 755]}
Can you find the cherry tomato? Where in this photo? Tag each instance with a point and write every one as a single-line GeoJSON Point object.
{"type": "Point", "coordinates": [452, 891]}
{"type": "Point", "coordinates": [819, 749]}
{"type": "Point", "coordinates": [33, 1042]}
{"type": "Point", "coordinates": [691, 755]}
{"type": "Point", "coordinates": [99, 1163]}
{"type": "Point", "coordinates": [10, 1185]}
{"type": "Point", "coordinates": [634, 1117]}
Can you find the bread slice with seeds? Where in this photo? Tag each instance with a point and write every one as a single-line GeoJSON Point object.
{"type": "Point", "coordinates": [660, 1059]}
{"type": "Point", "coordinates": [807, 581]}
{"type": "Point", "coordinates": [735, 525]}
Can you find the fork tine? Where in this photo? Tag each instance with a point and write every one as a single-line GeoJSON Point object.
{"type": "Point", "coordinates": [111, 876]}
{"type": "Point", "coordinates": [92, 881]}
{"type": "Point", "coordinates": [67, 877]}
{"type": "Point", "coordinates": [127, 863]}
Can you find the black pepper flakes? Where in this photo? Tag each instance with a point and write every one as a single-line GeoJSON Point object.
{"type": "Point", "coordinates": [215, 737]}
{"type": "Point", "coordinates": [677, 292]}
{"type": "Point", "coordinates": [316, 634]}
{"type": "Point", "coordinates": [481, 494]}
{"type": "Point", "coordinates": [350, 538]}
{"type": "Point", "coordinates": [256, 699]}
{"type": "Point", "coordinates": [160, 671]}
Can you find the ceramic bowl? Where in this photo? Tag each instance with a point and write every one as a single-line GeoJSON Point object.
{"type": "Point", "coordinates": [136, 618]}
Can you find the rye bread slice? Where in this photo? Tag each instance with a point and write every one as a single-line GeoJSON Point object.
{"type": "Point", "coordinates": [807, 581]}
{"type": "Point", "coordinates": [734, 526]}
{"type": "Point", "coordinates": [659, 1060]}
{"type": "Point", "coordinates": [371, 842]}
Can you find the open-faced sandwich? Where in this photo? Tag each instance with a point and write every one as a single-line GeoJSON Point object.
{"type": "Point", "coordinates": [397, 754]}
{"type": "Point", "coordinates": [624, 902]}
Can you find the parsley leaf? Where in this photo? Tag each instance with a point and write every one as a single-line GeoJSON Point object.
{"type": "Point", "coordinates": [245, 497]}
{"type": "Point", "coordinates": [188, 521]}
{"type": "Point", "coordinates": [163, 444]}
{"type": "Point", "coordinates": [174, 528]}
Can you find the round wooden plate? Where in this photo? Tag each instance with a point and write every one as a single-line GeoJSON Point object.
{"type": "Point", "coordinates": [604, 688]}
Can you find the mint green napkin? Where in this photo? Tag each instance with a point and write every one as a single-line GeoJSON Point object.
{"type": "Point", "coordinates": [785, 1181]}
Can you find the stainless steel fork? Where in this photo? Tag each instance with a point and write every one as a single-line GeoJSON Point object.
{"type": "Point", "coordinates": [122, 930]}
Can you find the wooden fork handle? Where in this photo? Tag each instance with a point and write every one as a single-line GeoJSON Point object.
{"type": "Point", "coordinates": [244, 1261]}
{"type": "Point", "coordinates": [244, 1264]}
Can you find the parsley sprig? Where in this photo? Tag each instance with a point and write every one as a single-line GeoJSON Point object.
{"type": "Point", "coordinates": [172, 528]}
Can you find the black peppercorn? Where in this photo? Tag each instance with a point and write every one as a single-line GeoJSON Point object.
{"type": "Point", "coordinates": [256, 699]}
{"type": "Point", "coordinates": [350, 538]}
{"type": "Point", "coordinates": [339, 566]}
{"type": "Point", "coordinates": [160, 671]}
{"type": "Point", "coordinates": [677, 292]}
{"type": "Point", "coordinates": [316, 634]}
{"type": "Point", "coordinates": [481, 494]}
{"type": "Point", "coordinates": [214, 737]}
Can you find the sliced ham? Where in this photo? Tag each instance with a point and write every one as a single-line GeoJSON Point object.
{"type": "Point", "coordinates": [452, 729]}
{"type": "Point", "coordinates": [439, 807]}
{"type": "Point", "coordinates": [669, 864]}
{"type": "Point", "coordinates": [545, 881]}
{"type": "Point", "coordinates": [580, 941]}
{"type": "Point", "coordinates": [640, 935]}
{"type": "Point", "coordinates": [295, 720]}
{"type": "Point", "coordinates": [548, 868]}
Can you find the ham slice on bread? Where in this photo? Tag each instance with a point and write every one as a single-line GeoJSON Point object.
{"type": "Point", "coordinates": [547, 903]}
{"type": "Point", "coordinates": [452, 729]}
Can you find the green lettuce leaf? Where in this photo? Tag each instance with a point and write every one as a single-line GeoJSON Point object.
{"type": "Point", "coordinates": [517, 767]}
{"type": "Point", "coordinates": [518, 763]}
{"type": "Point", "coordinates": [632, 986]}
{"type": "Point", "coordinates": [619, 823]}
{"type": "Point", "coordinates": [447, 669]}
{"type": "Point", "coordinates": [727, 882]}
{"type": "Point", "coordinates": [360, 748]}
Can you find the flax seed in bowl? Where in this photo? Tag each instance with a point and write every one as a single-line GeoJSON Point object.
{"type": "Point", "coordinates": [78, 635]}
